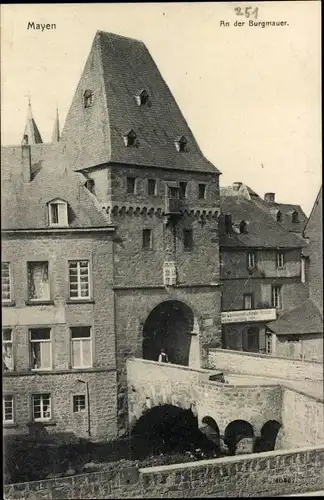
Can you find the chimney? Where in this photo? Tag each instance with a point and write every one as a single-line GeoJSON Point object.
{"type": "Point", "coordinates": [26, 162]}
{"type": "Point", "coordinates": [269, 197]}
{"type": "Point", "coordinates": [236, 186]}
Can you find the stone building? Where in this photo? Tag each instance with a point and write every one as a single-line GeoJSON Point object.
{"type": "Point", "coordinates": [110, 248]}
{"type": "Point", "coordinates": [299, 331]}
{"type": "Point", "coordinates": [261, 272]}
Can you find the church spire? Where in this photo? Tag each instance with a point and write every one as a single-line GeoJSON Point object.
{"type": "Point", "coordinates": [31, 133]}
{"type": "Point", "coordinates": [56, 129]}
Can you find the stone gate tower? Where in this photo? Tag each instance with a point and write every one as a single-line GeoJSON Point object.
{"type": "Point", "coordinates": [126, 134]}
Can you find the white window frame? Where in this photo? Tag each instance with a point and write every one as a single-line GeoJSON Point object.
{"type": "Point", "coordinates": [250, 295]}
{"type": "Point", "coordinates": [62, 213]}
{"type": "Point", "coordinates": [268, 343]}
{"type": "Point", "coordinates": [280, 260]}
{"type": "Point", "coordinates": [6, 342]}
{"type": "Point", "coordinates": [79, 290]}
{"type": "Point", "coordinates": [275, 295]}
{"type": "Point", "coordinates": [77, 405]}
{"type": "Point", "coordinates": [42, 418]}
{"type": "Point", "coordinates": [11, 420]}
{"type": "Point", "coordinates": [251, 260]}
{"type": "Point", "coordinates": [148, 184]}
{"type": "Point", "coordinates": [9, 281]}
{"type": "Point", "coordinates": [40, 341]}
{"type": "Point", "coordinates": [169, 273]}
{"type": "Point", "coordinates": [81, 340]}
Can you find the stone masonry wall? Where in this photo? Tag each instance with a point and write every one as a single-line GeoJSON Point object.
{"type": "Point", "coordinates": [302, 419]}
{"type": "Point", "coordinates": [264, 365]}
{"type": "Point", "coordinates": [183, 387]}
{"type": "Point", "coordinates": [266, 474]}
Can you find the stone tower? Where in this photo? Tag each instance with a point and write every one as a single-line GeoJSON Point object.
{"type": "Point", "coordinates": [126, 134]}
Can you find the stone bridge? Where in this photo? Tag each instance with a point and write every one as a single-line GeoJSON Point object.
{"type": "Point", "coordinates": [152, 384]}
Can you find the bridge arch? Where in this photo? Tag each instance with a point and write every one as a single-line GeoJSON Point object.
{"type": "Point", "coordinates": [268, 437]}
{"type": "Point", "coordinates": [211, 430]}
{"type": "Point", "coordinates": [235, 432]}
{"type": "Point", "coordinates": [167, 429]}
{"type": "Point", "coordinates": [169, 325]}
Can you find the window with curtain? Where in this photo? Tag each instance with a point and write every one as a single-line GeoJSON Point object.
{"type": "Point", "coordinates": [40, 349]}
{"type": "Point", "coordinates": [38, 281]}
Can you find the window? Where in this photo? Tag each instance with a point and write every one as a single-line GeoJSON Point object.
{"type": "Point", "coordinates": [151, 187]}
{"type": "Point", "coordinates": [58, 213]}
{"type": "Point", "coordinates": [79, 403]}
{"type": "Point", "coordinates": [294, 217]}
{"type": "Point", "coordinates": [169, 273]}
{"type": "Point", "coordinates": [181, 144]}
{"type": "Point", "coordinates": [147, 239]}
{"type": "Point", "coordinates": [87, 98]}
{"type": "Point", "coordinates": [8, 409]}
{"type": "Point", "coordinates": [89, 184]}
{"type": "Point", "coordinates": [81, 347]}
{"type": "Point", "coordinates": [7, 350]}
{"type": "Point", "coordinates": [242, 227]}
{"type": "Point", "coordinates": [279, 216]}
{"type": "Point", "coordinates": [41, 407]}
{"type": "Point", "coordinates": [187, 239]}
{"type": "Point", "coordinates": [228, 223]}
{"type": "Point", "coordinates": [131, 185]}
{"type": "Point", "coordinates": [182, 190]}
{"type": "Point", "coordinates": [268, 340]}
{"type": "Point", "coordinates": [142, 98]}
{"type": "Point", "coordinates": [130, 138]}
{"type": "Point", "coordinates": [280, 260]}
{"type": "Point", "coordinates": [248, 301]}
{"type": "Point", "coordinates": [79, 276]}
{"type": "Point", "coordinates": [5, 282]}
{"type": "Point", "coordinates": [201, 191]}
{"type": "Point", "coordinates": [276, 297]}
{"type": "Point", "coordinates": [40, 349]}
{"type": "Point", "coordinates": [251, 260]}
{"type": "Point", "coordinates": [303, 270]}
{"type": "Point", "coordinates": [38, 281]}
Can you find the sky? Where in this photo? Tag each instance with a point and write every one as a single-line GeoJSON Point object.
{"type": "Point", "coordinates": [251, 95]}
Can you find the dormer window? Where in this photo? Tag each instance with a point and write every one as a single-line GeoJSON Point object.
{"type": "Point", "coordinates": [142, 98]}
{"type": "Point", "coordinates": [130, 138]}
{"type": "Point", "coordinates": [89, 184]}
{"type": "Point", "coordinates": [88, 98]}
{"type": "Point", "coordinates": [181, 143]}
{"type": "Point", "coordinates": [294, 217]}
{"type": "Point", "coordinates": [58, 213]}
{"type": "Point", "coordinates": [279, 216]}
{"type": "Point", "coordinates": [243, 227]}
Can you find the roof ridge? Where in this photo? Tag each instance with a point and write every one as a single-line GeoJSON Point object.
{"type": "Point", "coordinates": [109, 34]}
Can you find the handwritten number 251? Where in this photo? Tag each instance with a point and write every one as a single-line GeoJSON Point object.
{"type": "Point", "coordinates": [247, 12]}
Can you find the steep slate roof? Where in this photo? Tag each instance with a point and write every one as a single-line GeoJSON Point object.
{"type": "Point", "coordinates": [262, 230]}
{"type": "Point", "coordinates": [286, 209]}
{"type": "Point", "coordinates": [306, 318]}
{"type": "Point", "coordinates": [24, 204]}
{"type": "Point", "coordinates": [117, 69]}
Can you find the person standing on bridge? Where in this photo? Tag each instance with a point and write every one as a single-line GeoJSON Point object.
{"type": "Point", "coordinates": [163, 358]}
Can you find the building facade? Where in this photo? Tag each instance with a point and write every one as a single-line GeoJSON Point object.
{"type": "Point", "coordinates": [261, 274]}
{"type": "Point", "coordinates": [110, 249]}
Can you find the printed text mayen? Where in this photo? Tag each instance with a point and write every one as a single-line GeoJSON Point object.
{"type": "Point", "coordinates": [46, 26]}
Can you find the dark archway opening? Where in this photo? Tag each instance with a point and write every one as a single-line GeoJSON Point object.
{"type": "Point", "coordinates": [168, 429]}
{"type": "Point", "coordinates": [168, 326]}
{"type": "Point", "coordinates": [211, 430]}
{"type": "Point", "coordinates": [267, 440]}
{"type": "Point", "coordinates": [235, 432]}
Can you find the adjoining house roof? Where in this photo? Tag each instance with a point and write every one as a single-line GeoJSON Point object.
{"type": "Point", "coordinates": [286, 209]}
{"type": "Point", "coordinates": [262, 230]}
{"type": "Point", "coordinates": [24, 203]}
{"type": "Point", "coordinates": [304, 319]}
{"type": "Point", "coordinates": [116, 69]}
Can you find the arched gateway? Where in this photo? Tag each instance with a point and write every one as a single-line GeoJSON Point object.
{"type": "Point", "coordinates": [169, 326]}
